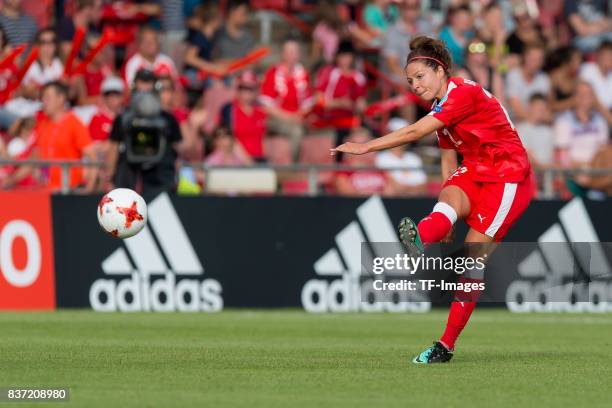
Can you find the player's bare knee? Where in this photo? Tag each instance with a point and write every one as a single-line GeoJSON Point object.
{"type": "Point", "coordinates": [456, 198]}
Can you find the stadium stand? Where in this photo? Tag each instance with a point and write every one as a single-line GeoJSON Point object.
{"type": "Point", "coordinates": [284, 58]}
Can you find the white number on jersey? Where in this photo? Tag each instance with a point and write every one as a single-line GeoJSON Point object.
{"type": "Point", "coordinates": [501, 106]}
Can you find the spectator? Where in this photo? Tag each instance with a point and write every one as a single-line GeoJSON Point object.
{"type": "Point", "coordinates": [86, 15]}
{"type": "Point", "coordinates": [589, 23]}
{"type": "Point", "coordinates": [19, 27]}
{"type": "Point", "coordinates": [113, 97]}
{"type": "Point", "coordinates": [327, 32]}
{"type": "Point", "coordinates": [146, 160]}
{"type": "Point", "coordinates": [458, 32]}
{"type": "Point", "coordinates": [378, 15]}
{"type": "Point", "coordinates": [397, 38]}
{"type": "Point", "coordinates": [113, 94]}
{"type": "Point", "coordinates": [46, 68]}
{"type": "Point", "coordinates": [173, 28]}
{"type": "Point", "coordinates": [580, 133]}
{"type": "Point", "coordinates": [234, 40]}
{"type": "Point", "coordinates": [599, 185]}
{"type": "Point", "coordinates": [245, 119]}
{"type": "Point", "coordinates": [171, 100]}
{"type": "Point", "coordinates": [128, 17]}
{"type": "Point", "coordinates": [23, 138]}
{"type": "Point", "coordinates": [7, 74]}
{"type": "Point", "coordinates": [599, 74]}
{"type": "Point", "coordinates": [361, 182]}
{"type": "Point", "coordinates": [527, 33]}
{"type": "Point", "coordinates": [562, 66]}
{"type": "Point", "coordinates": [526, 80]}
{"type": "Point", "coordinates": [148, 56]}
{"type": "Point", "coordinates": [226, 152]}
{"type": "Point", "coordinates": [19, 148]}
{"type": "Point", "coordinates": [477, 69]}
{"type": "Point", "coordinates": [286, 94]}
{"type": "Point", "coordinates": [493, 32]}
{"type": "Point", "coordinates": [410, 181]}
{"type": "Point", "coordinates": [536, 133]}
{"type": "Point", "coordinates": [343, 90]}
{"type": "Point", "coordinates": [89, 84]}
{"type": "Point", "coordinates": [60, 135]}
{"type": "Point", "coordinates": [552, 21]}
{"type": "Point", "coordinates": [190, 11]}
{"type": "Point", "coordinates": [200, 43]}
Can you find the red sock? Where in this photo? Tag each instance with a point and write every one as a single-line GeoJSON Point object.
{"type": "Point", "coordinates": [460, 312]}
{"type": "Point", "coordinates": [458, 317]}
{"type": "Point", "coordinates": [434, 227]}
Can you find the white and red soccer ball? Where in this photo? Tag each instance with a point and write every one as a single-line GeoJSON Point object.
{"type": "Point", "coordinates": [122, 213]}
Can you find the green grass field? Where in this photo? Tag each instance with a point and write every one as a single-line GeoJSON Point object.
{"type": "Point", "coordinates": [290, 358]}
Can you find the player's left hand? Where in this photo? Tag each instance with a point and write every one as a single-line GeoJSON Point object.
{"type": "Point", "coordinates": [351, 148]}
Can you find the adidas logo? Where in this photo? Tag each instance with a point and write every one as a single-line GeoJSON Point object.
{"type": "Point", "coordinates": [162, 250]}
{"type": "Point", "coordinates": [344, 291]}
{"type": "Point", "coordinates": [546, 269]}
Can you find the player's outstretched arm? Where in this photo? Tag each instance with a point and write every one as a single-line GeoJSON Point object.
{"type": "Point", "coordinates": [407, 134]}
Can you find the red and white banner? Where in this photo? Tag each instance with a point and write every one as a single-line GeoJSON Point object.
{"type": "Point", "coordinates": [27, 278]}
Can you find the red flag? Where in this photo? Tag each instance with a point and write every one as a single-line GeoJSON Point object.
{"type": "Point", "coordinates": [79, 36]}
{"type": "Point", "coordinates": [6, 94]}
{"type": "Point", "coordinates": [249, 59]}
{"type": "Point", "coordinates": [10, 59]}
{"type": "Point", "coordinates": [103, 42]}
{"type": "Point", "coordinates": [239, 63]}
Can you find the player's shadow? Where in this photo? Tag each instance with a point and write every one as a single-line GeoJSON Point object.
{"type": "Point", "coordinates": [494, 357]}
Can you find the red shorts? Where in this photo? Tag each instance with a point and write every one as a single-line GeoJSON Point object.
{"type": "Point", "coordinates": [494, 207]}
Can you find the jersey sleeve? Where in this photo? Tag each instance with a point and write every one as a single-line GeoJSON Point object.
{"type": "Point", "coordinates": [322, 79]}
{"type": "Point", "coordinates": [268, 92]}
{"type": "Point", "coordinates": [457, 104]}
{"type": "Point", "coordinates": [360, 89]}
{"type": "Point", "coordinates": [443, 140]}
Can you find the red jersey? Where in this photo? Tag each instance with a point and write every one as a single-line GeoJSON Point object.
{"type": "Point", "coordinates": [93, 79]}
{"type": "Point", "coordinates": [479, 128]}
{"type": "Point", "coordinates": [334, 84]}
{"type": "Point", "coordinates": [287, 89]}
{"type": "Point", "coordinates": [100, 125]}
{"type": "Point", "coordinates": [249, 129]}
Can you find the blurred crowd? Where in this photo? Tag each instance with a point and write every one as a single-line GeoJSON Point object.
{"type": "Point", "coordinates": [162, 91]}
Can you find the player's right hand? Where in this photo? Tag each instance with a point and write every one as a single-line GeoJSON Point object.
{"type": "Point", "coordinates": [351, 148]}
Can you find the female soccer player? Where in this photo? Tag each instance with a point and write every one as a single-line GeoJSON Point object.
{"type": "Point", "coordinates": [492, 187]}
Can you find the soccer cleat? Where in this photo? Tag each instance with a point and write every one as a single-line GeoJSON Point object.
{"type": "Point", "coordinates": [434, 354]}
{"type": "Point", "coordinates": [409, 236]}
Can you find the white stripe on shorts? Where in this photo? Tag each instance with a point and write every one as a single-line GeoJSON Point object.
{"type": "Point", "coordinates": [504, 208]}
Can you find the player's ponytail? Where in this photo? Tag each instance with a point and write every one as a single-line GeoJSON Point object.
{"type": "Point", "coordinates": [431, 52]}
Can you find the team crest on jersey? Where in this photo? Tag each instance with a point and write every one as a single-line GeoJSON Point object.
{"type": "Point", "coordinates": [437, 108]}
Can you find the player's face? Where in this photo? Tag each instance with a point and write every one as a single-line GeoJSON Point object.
{"type": "Point", "coordinates": [425, 82]}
